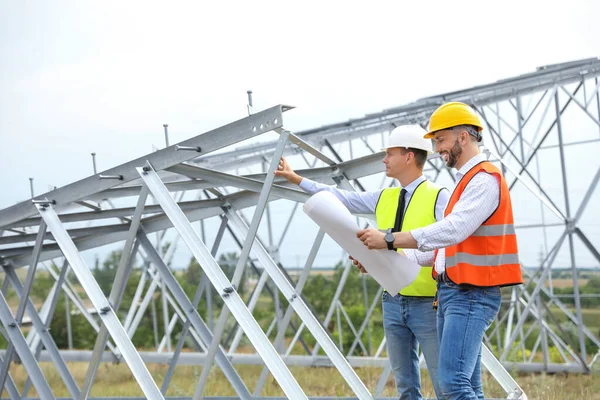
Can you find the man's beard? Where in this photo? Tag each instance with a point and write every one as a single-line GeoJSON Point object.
{"type": "Point", "coordinates": [454, 154]}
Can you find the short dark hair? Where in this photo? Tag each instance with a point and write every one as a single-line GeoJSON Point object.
{"type": "Point", "coordinates": [473, 131]}
{"type": "Point", "coordinates": [420, 155]}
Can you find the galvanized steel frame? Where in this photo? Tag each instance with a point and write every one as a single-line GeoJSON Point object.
{"type": "Point", "coordinates": [535, 96]}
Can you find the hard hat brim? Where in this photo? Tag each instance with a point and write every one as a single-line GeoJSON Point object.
{"type": "Point", "coordinates": [431, 134]}
{"type": "Point", "coordinates": [391, 147]}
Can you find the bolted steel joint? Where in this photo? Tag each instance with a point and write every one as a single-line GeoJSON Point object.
{"type": "Point", "coordinates": [43, 203]}
{"type": "Point", "coordinates": [119, 177]}
{"type": "Point", "coordinates": [338, 178]}
{"type": "Point", "coordinates": [570, 224]}
{"type": "Point", "coordinates": [189, 148]}
{"type": "Point", "coordinates": [104, 309]}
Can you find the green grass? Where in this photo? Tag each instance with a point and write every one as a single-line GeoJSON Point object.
{"type": "Point", "coordinates": [590, 316]}
{"type": "Point", "coordinates": [116, 380]}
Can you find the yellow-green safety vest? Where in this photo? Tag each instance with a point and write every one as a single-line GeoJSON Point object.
{"type": "Point", "coordinates": [420, 212]}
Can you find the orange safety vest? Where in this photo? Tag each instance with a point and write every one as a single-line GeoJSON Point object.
{"type": "Point", "coordinates": [489, 257]}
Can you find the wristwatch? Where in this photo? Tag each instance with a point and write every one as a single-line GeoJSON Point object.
{"type": "Point", "coordinates": [389, 239]}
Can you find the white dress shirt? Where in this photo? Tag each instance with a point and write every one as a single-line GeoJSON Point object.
{"type": "Point", "coordinates": [476, 204]}
{"type": "Point", "coordinates": [366, 203]}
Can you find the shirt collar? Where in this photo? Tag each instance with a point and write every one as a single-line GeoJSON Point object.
{"type": "Point", "coordinates": [410, 188]}
{"type": "Point", "coordinates": [470, 164]}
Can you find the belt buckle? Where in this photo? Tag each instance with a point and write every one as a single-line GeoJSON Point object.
{"type": "Point", "coordinates": [441, 278]}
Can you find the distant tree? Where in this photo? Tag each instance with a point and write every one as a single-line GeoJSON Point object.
{"type": "Point", "coordinates": [193, 273]}
{"type": "Point", "coordinates": [105, 274]}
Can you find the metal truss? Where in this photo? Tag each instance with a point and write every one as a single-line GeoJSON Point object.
{"type": "Point", "coordinates": [530, 119]}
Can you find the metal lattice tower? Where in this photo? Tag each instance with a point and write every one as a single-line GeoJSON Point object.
{"type": "Point", "coordinates": [542, 128]}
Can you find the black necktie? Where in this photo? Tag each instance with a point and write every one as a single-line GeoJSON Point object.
{"type": "Point", "coordinates": [400, 211]}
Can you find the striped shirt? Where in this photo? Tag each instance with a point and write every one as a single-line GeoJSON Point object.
{"type": "Point", "coordinates": [477, 202]}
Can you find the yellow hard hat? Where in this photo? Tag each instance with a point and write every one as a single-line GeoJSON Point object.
{"type": "Point", "coordinates": [450, 115]}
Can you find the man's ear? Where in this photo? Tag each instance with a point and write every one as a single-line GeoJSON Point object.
{"type": "Point", "coordinates": [465, 135]}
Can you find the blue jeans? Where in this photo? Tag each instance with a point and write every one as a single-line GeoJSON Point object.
{"type": "Point", "coordinates": [464, 314]}
{"type": "Point", "coordinates": [410, 322]}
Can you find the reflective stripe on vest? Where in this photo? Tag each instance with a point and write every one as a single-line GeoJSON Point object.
{"type": "Point", "coordinates": [489, 257]}
{"type": "Point", "coordinates": [481, 261]}
{"type": "Point", "coordinates": [419, 212]}
{"type": "Point", "coordinates": [495, 230]}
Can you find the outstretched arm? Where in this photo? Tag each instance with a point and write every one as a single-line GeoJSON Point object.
{"type": "Point", "coordinates": [356, 202]}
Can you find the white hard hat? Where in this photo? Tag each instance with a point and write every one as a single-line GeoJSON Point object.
{"type": "Point", "coordinates": [409, 136]}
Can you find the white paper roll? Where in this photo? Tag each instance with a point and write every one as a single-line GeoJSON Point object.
{"type": "Point", "coordinates": [390, 269]}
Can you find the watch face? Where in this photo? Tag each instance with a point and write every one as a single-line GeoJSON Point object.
{"type": "Point", "coordinates": [389, 237]}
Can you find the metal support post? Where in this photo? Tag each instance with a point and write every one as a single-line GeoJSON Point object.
{"type": "Point", "coordinates": [508, 383]}
{"type": "Point", "coordinates": [300, 307]}
{"type": "Point", "coordinates": [571, 246]}
{"type": "Point", "coordinates": [543, 335]}
{"type": "Point", "coordinates": [520, 128]}
{"type": "Point", "coordinates": [93, 163]}
{"type": "Point", "coordinates": [192, 314]}
{"type": "Point", "coordinates": [46, 314]}
{"type": "Point", "coordinates": [9, 385]}
{"type": "Point", "coordinates": [338, 318]}
{"type": "Point", "coordinates": [365, 323]}
{"type": "Point", "coordinates": [20, 344]}
{"type": "Point", "coordinates": [68, 318]}
{"type": "Point", "coordinates": [352, 328]}
{"type": "Point", "coordinates": [333, 305]}
{"type": "Point", "coordinates": [165, 312]}
{"type": "Point", "coordinates": [197, 296]}
{"type": "Point", "coordinates": [45, 336]}
{"type": "Point", "coordinates": [35, 256]}
{"type": "Point", "coordinates": [101, 303]}
{"type": "Point", "coordinates": [182, 337]}
{"type": "Point", "coordinates": [116, 293]}
{"type": "Point", "coordinates": [154, 323]}
{"type": "Point", "coordinates": [290, 310]}
{"type": "Point", "coordinates": [368, 316]}
{"type": "Point", "coordinates": [539, 285]}
{"type": "Point", "coordinates": [166, 127]}
{"type": "Point", "coordinates": [241, 262]}
{"type": "Point", "coordinates": [148, 298]}
{"type": "Point", "coordinates": [136, 299]}
{"type": "Point", "coordinates": [251, 305]}
{"type": "Point", "coordinates": [231, 298]}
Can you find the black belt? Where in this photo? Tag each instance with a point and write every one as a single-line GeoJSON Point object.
{"type": "Point", "coordinates": [444, 278]}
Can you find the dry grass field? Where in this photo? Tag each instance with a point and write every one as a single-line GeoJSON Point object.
{"type": "Point", "coordinates": [117, 381]}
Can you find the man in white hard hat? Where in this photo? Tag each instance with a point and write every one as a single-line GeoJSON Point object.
{"type": "Point", "coordinates": [409, 318]}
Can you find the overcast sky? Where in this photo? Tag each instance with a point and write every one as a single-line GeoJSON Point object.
{"type": "Point", "coordinates": [78, 76]}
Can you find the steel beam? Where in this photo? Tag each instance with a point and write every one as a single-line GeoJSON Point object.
{"type": "Point", "coordinates": [207, 142]}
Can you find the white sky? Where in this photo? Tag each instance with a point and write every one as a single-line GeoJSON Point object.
{"type": "Point", "coordinates": [78, 77]}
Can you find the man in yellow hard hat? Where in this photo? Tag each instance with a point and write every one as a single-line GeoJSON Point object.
{"type": "Point", "coordinates": [408, 317]}
{"type": "Point", "coordinates": [476, 249]}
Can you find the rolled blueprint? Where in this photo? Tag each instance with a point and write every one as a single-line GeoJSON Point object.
{"type": "Point", "coordinates": [390, 269]}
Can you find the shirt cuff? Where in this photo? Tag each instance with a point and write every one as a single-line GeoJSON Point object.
{"type": "Point", "coordinates": [410, 254]}
{"type": "Point", "coordinates": [304, 184]}
{"type": "Point", "coordinates": [417, 234]}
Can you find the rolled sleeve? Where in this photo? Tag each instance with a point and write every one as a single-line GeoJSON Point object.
{"type": "Point", "coordinates": [477, 202]}
{"type": "Point", "coordinates": [423, 258]}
